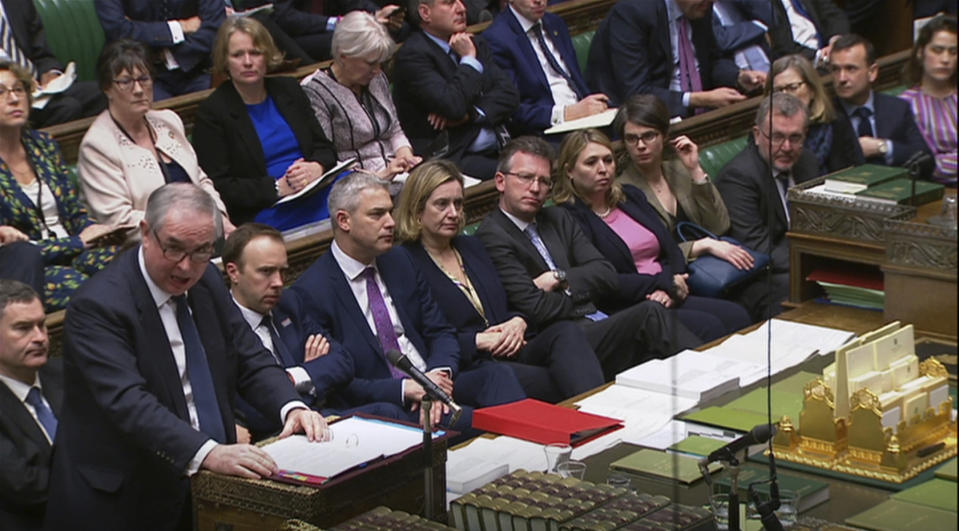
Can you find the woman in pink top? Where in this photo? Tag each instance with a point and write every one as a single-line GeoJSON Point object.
{"type": "Point", "coordinates": [932, 69]}
{"type": "Point", "coordinates": [626, 229]}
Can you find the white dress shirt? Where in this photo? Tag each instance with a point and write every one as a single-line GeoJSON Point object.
{"type": "Point", "coordinates": [20, 390]}
{"type": "Point", "coordinates": [301, 378]}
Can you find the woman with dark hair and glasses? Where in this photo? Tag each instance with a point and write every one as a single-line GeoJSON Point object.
{"type": "Point", "coordinates": [932, 72]}
{"type": "Point", "coordinates": [131, 150]}
{"type": "Point", "coordinates": [624, 227]}
{"type": "Point", "coordinates": [830, 136]}
{"type": "Point", "coordinates": [40, 202]}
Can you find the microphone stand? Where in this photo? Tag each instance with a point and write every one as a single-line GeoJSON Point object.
{"type": "Point", "coordinates": [731, 462]}
{"type": "Point", "coordinates": [426, 404]}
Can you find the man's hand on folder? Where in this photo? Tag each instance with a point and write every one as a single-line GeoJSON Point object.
{"type": "Point", "coordinates": [242, 460]}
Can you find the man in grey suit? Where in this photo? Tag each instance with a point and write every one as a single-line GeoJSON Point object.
{"type": "Point", "coordinates": [31, 392]}
{"type": "Point", "coordinates": [552, 272]}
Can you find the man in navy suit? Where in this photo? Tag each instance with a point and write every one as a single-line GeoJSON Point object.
{"type": "Point", "coordinates": [372, 299]}
{"type": "Point", "coordinates": [254, 258]}
{"type": "Point", "coordinates": [180, 33]}
{"type": "Point", "coordinates": [155, 350]}
{"type": "Point", "coordinates": [887, 130]}
{"type": "Point", "coordinates": [31, 392]}
{"type": "Point", "coordinates": [639, 49]}
{"type": "Point", "coordinates": [754, 185]}
{"type": "Point", "coordinates": [451, 98]}
{"type": "Point", "coordinates": [535, 49]}
{"type": "Point", "coordinates": [740, 28]}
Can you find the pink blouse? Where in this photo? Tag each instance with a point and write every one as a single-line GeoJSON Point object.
{"type": "Point", "coordinates": [642, 243]}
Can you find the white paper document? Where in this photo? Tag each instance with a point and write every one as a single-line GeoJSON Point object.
{"type": "Point", "coordinates": [325, 180]}
{"type": "Point", "coordinates": [355, 441]}
{"type": "Point", "coordinates": [596, 121]}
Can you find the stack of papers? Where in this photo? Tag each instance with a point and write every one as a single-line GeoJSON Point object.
{"type": "Point", "coordinates": [688, 374]}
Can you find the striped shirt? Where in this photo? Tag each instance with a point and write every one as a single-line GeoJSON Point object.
{"type": "Point", "coordinates": [936, 118]}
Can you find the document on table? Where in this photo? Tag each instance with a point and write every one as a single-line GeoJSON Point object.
{"type": "Point", "coordinates": [356, 440]}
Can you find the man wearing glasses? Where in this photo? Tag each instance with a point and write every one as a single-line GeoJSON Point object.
{"type": "Point", "coordinates": [755, 182]}
{"type": "Point", "coordinates": [154, 351]}
{"type": "Point", "coordinates": [552, 272]}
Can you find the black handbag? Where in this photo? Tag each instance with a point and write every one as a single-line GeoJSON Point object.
{"type": "Point", "coordinates": [710, 276]}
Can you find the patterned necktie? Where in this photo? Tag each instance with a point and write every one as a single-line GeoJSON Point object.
{"type": "Point", "coordinates": [782, 184]}
{"type": "Point", "coordinates": [865, 126]}
{"type": "Point", "coordinates": [198, 371]}
{"type": "Point", "coordinates": [689, 75]}
{"type": "Point", "coordinates": [44, 414]}
{"type": "Point", "coordinates": [14, 51]}
{"type": "Point", "coordinates": [553, 62]}
{"type": "Point", "coordinates": [385, 331]}
{"type": "Point", "coordinates": [537, 242]}
{"type": "Point", "coordinates": [280, 352]}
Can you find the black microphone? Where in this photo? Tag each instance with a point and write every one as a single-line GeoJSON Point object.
{"type": "Point", "coordinates": [758, 435]}
{"type": "Point", "coordinates": [401, 362]}
{"type": "Point", "coordinates": [920, 163]}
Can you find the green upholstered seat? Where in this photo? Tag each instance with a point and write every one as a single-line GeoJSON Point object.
{"type": "Point", "coordinates": [73, 32]}
{"type": "Point", "coordinates": [713, 158]}
{"type": "Point", "coordinates": [581, 44]}
{"type": "Point", "coordinates": [895, 91]}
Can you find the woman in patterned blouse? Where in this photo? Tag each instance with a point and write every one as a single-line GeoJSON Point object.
{"type": "Point", "coordinates": [932, 71]}
{"type": "Point", "coordinates": [40, 200]}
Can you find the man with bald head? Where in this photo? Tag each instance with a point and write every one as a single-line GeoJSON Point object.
{"type": "Point", "coordinates": [154, 352]}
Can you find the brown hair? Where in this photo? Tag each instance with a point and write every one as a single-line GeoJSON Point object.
{"type": "Point", "coordinates": [421, 183]}
{"type": "Point", "coordinates": [913, 69]}
{"type": "Point", "coordinates": [118, 56]}
{"type": "Point", "coordinates": [820, 108]}
{"type": "Point", "coordinates": [564, 190]}
{"type": "Point", "coordinates": [23, 77]}
{"type": "Point", "coordinates": [243, 235]}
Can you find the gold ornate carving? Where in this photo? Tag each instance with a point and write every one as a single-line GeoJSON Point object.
{"type": "Point", "coordinates": [934, 369]}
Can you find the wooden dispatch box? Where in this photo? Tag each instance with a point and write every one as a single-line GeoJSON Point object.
{"type": "Point", "coordinates": [223, 502]}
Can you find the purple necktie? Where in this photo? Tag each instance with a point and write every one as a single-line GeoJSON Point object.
{"type": "Point", "coordinates": [381, 318]}
{"type": "Point", "coordinates": [689, 79]}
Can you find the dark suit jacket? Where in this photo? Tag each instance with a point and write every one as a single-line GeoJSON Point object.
{"type": "Point", "coordinates": [459, 311]}
{"type": "Point", "coordinates": [591, 277]}
{"type": "Point", "coordinates": [514, 53]}
{"type": "Point", "coordinates": [22, 261]}
{"type": "Point", "coordinates": [327, 298]}
{"type": "Point", "coordinates": [328, 372]}
{"type": "Point", "coordinates": [27, 28]}
{"type": "Point", "coordinates": [631, 54]}
{"type": "Point", "coordinates": [124, 440]}
{"type": "Point", "coordinates": [230, 152]}
{"type": "Point", "coordinates": [632, 286]}
{"type": "Point", "coordinates": [828, 18]}
{"type": "Point", "coordinates": [895, 121]}
{"type": "Point", "coordinates": [145, 21]}
{"type": "Point", "coordinates": [25, 453]}
{"type": "Point", "coordinates": [756, 214]}
{"type": "Point", "coordinates": [426, 80]}
{"type": "Point", "coordinates": [742, 32]}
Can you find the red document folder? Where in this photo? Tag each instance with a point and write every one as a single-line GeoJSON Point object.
{"type": "Point", "coordinates": [543, 423]}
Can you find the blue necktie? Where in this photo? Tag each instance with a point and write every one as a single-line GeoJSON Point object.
{"type": "Point", "coordinates": [198, 371]}
{"type": "Point", "coordinates": [540, 246]}
{"type": "Point", "coordinates": [865, 126]}
{"type": "Point", "coordinates": [553, 61]}
{"type": "Point", "coordinates": [280, 352]}
{"type": "Point", "coordinates": [44, 414]}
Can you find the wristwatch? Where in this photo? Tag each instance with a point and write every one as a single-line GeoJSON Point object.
{"type": "Point", "coordinates": [883, 147]}
{"type": "Point", "coordinates": [560, 275]}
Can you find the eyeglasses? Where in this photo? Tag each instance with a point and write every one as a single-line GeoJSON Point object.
{"type": "Point", "coordinates": [790, 88]}
{"type": "Point", "coordinates": [528, 180]}
{"type": "Point", "coordinates": [648, 137]}
{"type": "Point", "coordinates": [17, 89]}
{"type": "Point", "coordinates": [175, 254]}
{"type": "Point", "coordinates": [778, 139]}
{"type": "Point", "coordinates": [126, 83]}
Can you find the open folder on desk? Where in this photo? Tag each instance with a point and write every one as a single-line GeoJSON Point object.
{"type": "Point", "coordinates": [543, 423]}
{"type": "Point", "coordinates": [356, 441]}
{"type": "Point", "coordinates": [325, 180]}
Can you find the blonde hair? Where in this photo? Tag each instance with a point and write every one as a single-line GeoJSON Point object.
{"type": "Point", "coordinates": [820, 108]}
{"type": "Point", "coordinates": [564, 190]}
{"type": "Point", "coordinates": [422, 182]}
{"type": "Point", "coordinates": [262, 41]}
{"type": "Point", "coordinates": [358, 34]}
{"type": "Point", "coordinates": [23, 77]}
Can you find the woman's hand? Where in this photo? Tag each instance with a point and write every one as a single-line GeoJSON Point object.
{"type": "Point", "coordinates": [734, 254]}
{"type": "Point", "coordinates": [682, 289]}
{"type": "Point", "coordinates": [92, 232]}
{"type": "Point", "coordinates": [510, 338]}
{"type": "Point", "coordinates": [688, 153]}
{"type": "Point", "coordinates": [301, 173]}
{"type": "Point", "coordinates": [10, 234]}
{"type": "Point", "coordinates": [661, 297]}
{"type": "Point", "coordinates": [403, 162]}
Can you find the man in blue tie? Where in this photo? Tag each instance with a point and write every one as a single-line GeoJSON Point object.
{"type": "Point", "coordinates": [31, 392]}
{"type": "Point", "coordinates": [254, 258]}
{"type": "Point", "coordinates": [372, 299]}
{"type": "Point", "coordinates": [154, 352]}
{"type": "Point", "coordinates": [552, 272]}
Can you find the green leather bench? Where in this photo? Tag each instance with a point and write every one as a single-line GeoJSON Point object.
{"type": "Point", "coordinates": [73, 32]}
{"type": "Point", "coordinates": [713, 158]}
{"type": "Point", "coordinates": [581, 44]}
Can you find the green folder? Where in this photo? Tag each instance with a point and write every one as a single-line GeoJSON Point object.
{"type": "Point", "coordinates": [657, 464]}
{"type": "Point", "coordinates": [948, 470]}
{"type": "Point", "coordinates": [897, 515]}
{"type": "Point", "coordinates": [745, 412]}
{"type": "Point", "coordinates": [698, 445]}
{"type": "Point", "coordinates": [938, 493]}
